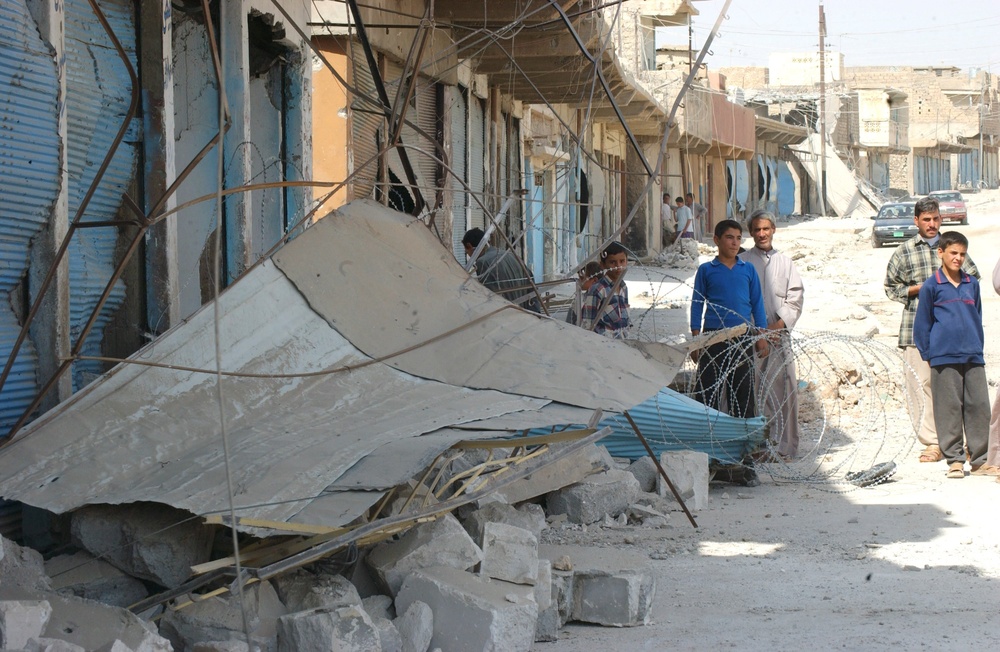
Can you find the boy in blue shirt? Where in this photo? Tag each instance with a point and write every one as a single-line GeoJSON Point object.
{"type": "Point", "coordinates": [948, 333]}
{"type": "Point", "coordinates": [727, 293]}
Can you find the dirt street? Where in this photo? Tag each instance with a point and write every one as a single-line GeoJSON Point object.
{"type": "Point", "coordinates": [796, 564]}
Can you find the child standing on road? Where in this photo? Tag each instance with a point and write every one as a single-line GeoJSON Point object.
{"type": "Point", "coordinates": [605, 306]}
{"type": "Point", "coordinates": [948, 333]}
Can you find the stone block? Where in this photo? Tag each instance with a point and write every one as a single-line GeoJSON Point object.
{"type": "Point", "coordinates": [388, 636]}
{"type": "Point", "coordinates": [644, 470]}
{"type": "Point", "coordinates": [615, 599]}
{"type": "Point", "coordinates": [21, 567]}
{"type": "Point", "coordinates": [471, 614]}
{"type": "Point", "coordinates": [51, 645]}
{"type": "Point", "coordinates": [379, 606]}
{"type": "Point", "coordinates": [342, 628]}
{"type": "Point", "coordinates": [85, 576]}
{"type": "Point", "coordinates": [223, 646]}
{"type": "Point", "coordinates": [440, 543]}
{"type": "Point", "coordinates": [562, 595]}
{"type": "Point", "coordinates": [543, 585]}
{"type": "Point", "coordinates": [302, 590]}
{"type": "Point", "coordinates": [688, 471]}
{"type": "Point", "coordinates": [118, 646]}
{"type": "Point", "coordinates": [220, 618]}
{"type": "Point", "coordinates": [510, 554]}
{"type": "Point", "coordinates": [588, 501]}
{"type": "Point", "coordinates": [548, 624]}
{"type": "Point", "coordinates": [529, 516]}
{"type": "Point", "coordinates": [570, 469]}
{"type": "Point", "coordinates": [21, 621]}
{"type": "Point", "coordinates": [146, 540]}
{"type": "Point", "coordinates": [416, 627]}
{"type": "Point", "coordinates": [99, 627]}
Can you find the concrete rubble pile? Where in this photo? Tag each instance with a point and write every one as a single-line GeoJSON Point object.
{"type": "Point", "coordinates": [490, 576]}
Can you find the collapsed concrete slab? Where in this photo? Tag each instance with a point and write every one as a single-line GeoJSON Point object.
{"type": "Point", "coordinates": [587, 501]}
{"type": "Point", "coordinates": [688, 471]}
{"type": "Point", "coordinates": [21, 621]}
{"type": "Point", "coordinates": [85, 576]}
{"type": "Point", "coordinates": [303, 590]}
{"type": "Point", "coordinates": [471, 614]}
{"type": "Point", "coordinates": [220, 618]}
{"type": "Point", "coordinates": [442, 542]}
{"type": "Point", "coordinates": [146, 540]}
{"type": "Point", "coordinates": [416, 627]}
{"type": "Point", "coordinates": [529, 516]}
{"type": "Point", "coordinates": [509, 553]}
{"type": "Point", "coordinates": [343, 628]}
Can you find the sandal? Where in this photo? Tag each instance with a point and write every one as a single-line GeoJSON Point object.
{"type": "Point", "coordinates": [932, 454]}
{"type": "Point", "coordinates": [956, 470]}
{"type": "Point", "coordinates": [985, 469]}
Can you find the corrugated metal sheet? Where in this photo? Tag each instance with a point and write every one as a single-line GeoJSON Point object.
{"type": "Point", "coordinates": [29, 181]}
{"type": "Point", "coordinates": [365, 126]}
{"type": "Point", "coordinates": [477, 153]}
{"type": "Point", "coordinates": [421, 151]}
{"type": "Point", "coordinates": [459, 141]}
{"type": "Point", "coordinates": [97, 98]}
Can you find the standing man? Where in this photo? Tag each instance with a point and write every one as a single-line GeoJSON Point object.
{"type": "Point", "coordinates": [667, 221]}
{"type": "Point", "coordinates": [783, 292]}
{"type": "Point", "coordinates": [911, 264]}
{"type": "Point", "coordinates": [685, 225]}
{"type": "Point", "coordinates": [699, 213]}
{"type": "Point", "coordinates": [500, 271]}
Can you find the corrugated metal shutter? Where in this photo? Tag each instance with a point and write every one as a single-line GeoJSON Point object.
{"type": "Point", "coordinates": [422, 152]}
{"type": "Point", "coordinates": [366, 123]}
{"type": "Point", "coordinates": [459, 141]}
{"type": "Point", "coordinates": [477, 153]}
{"type": "Point", "coordinates": [97, 98]}
{"type": "Point", "coordinates": [29, 181]}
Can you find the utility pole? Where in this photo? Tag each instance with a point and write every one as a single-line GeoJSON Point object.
{"type": "Point", "coordinates": [822, 109]}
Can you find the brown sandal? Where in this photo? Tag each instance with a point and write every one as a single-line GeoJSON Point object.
{"type": "Point", "coordinates": [956, 470]}
{"type": "Point", "coordinates": [932, 454]}
{"type": "Point", "coordinates": [985, 469]}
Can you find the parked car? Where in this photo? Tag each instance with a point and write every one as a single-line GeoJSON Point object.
{"type": "Point", "coordinates": [952, 206]}
{"type": "Point", "coordinates": [894, 223]}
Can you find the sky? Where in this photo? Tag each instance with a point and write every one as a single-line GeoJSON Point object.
{"type": "Point", "coordinates": [962, 33]}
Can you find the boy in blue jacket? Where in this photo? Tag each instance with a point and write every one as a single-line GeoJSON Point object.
{"type": "Point", "coordinates": [948, 332]}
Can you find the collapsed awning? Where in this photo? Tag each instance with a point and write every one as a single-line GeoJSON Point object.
{"type": "Point", "coordinates": [355, 359]}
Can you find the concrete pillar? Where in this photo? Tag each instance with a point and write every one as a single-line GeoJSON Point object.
{"type": "Point", "coordinates": [235, 38]}
{"type": "Point", "coordinates": [159, 164]}
{"type": "Point", "coordinates": [50, 330]}
{"type": "Point", "coordinates": [298, 135]}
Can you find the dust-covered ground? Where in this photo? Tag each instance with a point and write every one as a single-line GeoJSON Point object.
{"type": "Point", "coordinates": [804, 560]}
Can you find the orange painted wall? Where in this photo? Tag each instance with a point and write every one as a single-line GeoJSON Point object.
{"type": "Point", "coordinates": [330, 124]}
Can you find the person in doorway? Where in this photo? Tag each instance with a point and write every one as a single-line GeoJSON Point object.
{"type": "Point", "coordinates": [667, 221]}
{"type": "Point", "coordinates": [698, 212]}
{"type": "Point", "coordinates": [605, 306]}
{"type": "Point", "coordinates": [500, 271]}
{"type": "Point", "coordinates": [727, 293]}
{"type": "Point", "coordinates": [911, 264]}
{"type": "Point", "coordinates": [948, 333]}
{"type": "Point", "coordinates": [589, 275]}
{"type": "Point", "coordinates": [782, 289]}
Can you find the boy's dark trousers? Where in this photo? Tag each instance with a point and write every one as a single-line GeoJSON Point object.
{"type": "Point", "coordinates": [961, 404]}
{"type": "Point", "coordinates": [728, 368]}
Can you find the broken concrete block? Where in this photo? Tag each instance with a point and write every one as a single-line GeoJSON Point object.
{"type": "Point", "coordinates": [644, 470]}
{"type": "Point", "coordinates": [615, 599]}
{"type": "Point", "coordinates": [688, 471]}
{"type": "Point", "coordinates": [588, 501]}
{"type": "Point", "coordinates": [302, 590]}
{"type": "Point", "coordinates": [21, 621]}
{"type": "Point", "coordinates": [85, 576]}
{"type": "Point", "coordinates": [548, 624]}
{"type": "Point", "coordinates": [22, 567]}
{"type": "Point", "coordinates": [220, 618]}
{"type": "Point", "coordinates": [573, 468]}
{"type": "Point", "coordinates": [470, 613]}
{"type": "Point", "coordinates": [342, 628]}
{"type": "Point", "coordinates": [117, 646]}
{"type": "Point", "coordinates": [379, 606]}
{"type": "Point", "coordinates": [562, 595]}
{"type": "Point", "coordinates": [529, 516]}
{"type": "Point", "coordinates": [223, 646]}
{"type": "Point", "coordinates": [442, 542]}
{"type": "Point", "coordinates": [388, 636]}
{"type": "Point", "coordinates": [146, 540]}
{"type": "Point", "coordinates": [51, 645]}
{"type": "Point", "coordinates": [416, 627]}
{"type": "Point", "coordinates": [543, 584]}
{"type": "Point", "coordinates": [509, 553]}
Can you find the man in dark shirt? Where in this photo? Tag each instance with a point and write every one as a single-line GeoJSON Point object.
{"type": "Point", "coordinates": [500, 271]}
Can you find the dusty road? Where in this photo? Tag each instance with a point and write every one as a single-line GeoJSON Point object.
{"type": "Point", "coordinates": [791, 565]}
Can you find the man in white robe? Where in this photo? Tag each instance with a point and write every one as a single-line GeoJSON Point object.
{"type": "Point", "coordinates": [783, 292]}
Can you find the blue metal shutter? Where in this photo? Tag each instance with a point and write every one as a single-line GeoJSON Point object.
{"type": "Point", "coordinates": [97, 98]}
{"type": "Point", "coordinates": [29, 181]}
